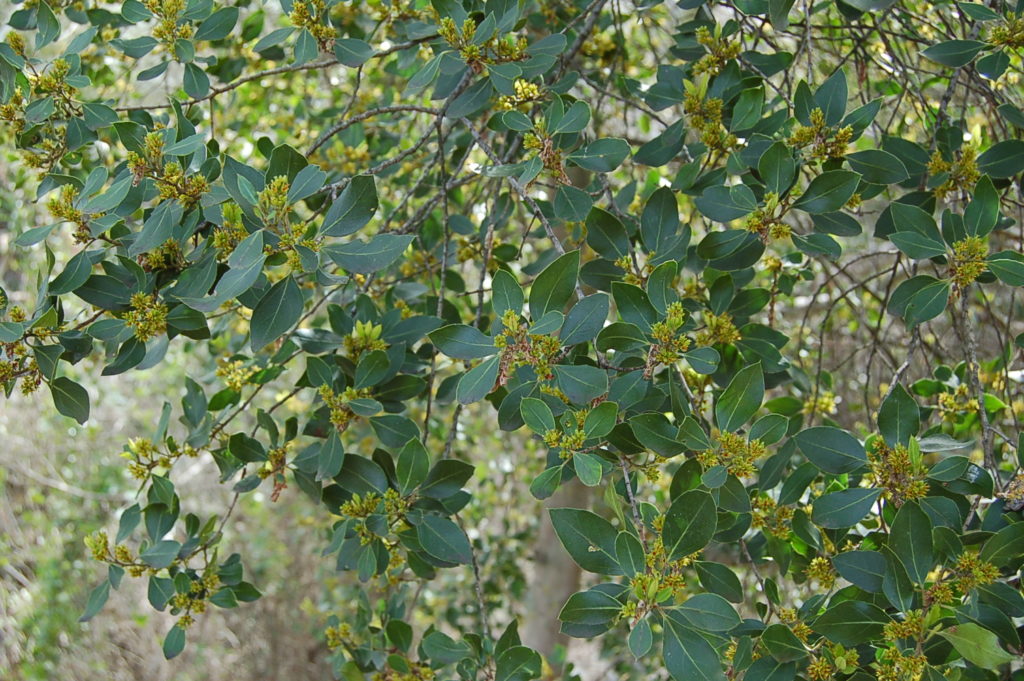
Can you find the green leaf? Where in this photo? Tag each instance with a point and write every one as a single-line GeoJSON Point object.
{"type": "Point", "coordinates": [917, 246]}
{"type": "Point", "coordinates": [506, 294]}
{"type": "Point", "coordinates": [331, 457]}
{"type": "Point", "coordinates": [352, 209]}
{"type": "Point", "coordinates": [899, 417]}
{"type": "Point", "coordinates": [782, 643]}
{"type": "Point", "coordinates": [982, 213]}
{"type": "Point", "coordinates": [687, 656]}
{"type": "Point", "coordinates": [477, 383]}
{"type": "Point", "coordinates": [517, 663]}
{"type": "Point", "coordinates": [246, 449]}
{"type": "Point", "coordinates": [554, 286]}
{"type": "Point", "coordinates": [352, 51]}
{"type": "Point", "coordinates": [47, 24]}
{"type": "Point", "coordinates": [370, 256]}
{"type": "Point", "coordinates": [641, 638]}
{"type": "Point", "coordinates": [910, 537]}
{"type": "Point", "coordinates": [70, 399]}
{"type": "Point", "coordinates": [877, 166]}
{"type": "Point", "coordinates": [831, 449]}
{"type": "Point", "coordinates": [601, 156]}
{"type": "Point", "coordinates": [919, 299]}
{"type": "Point", "coordinates": [690, 523]}
{"type": "Point", "coordinates": [862, 568]}
{"type": "Point", "coordinates": [630, 554]}
{"type": "Point", "coordinates": [1008, 266]}
{"type": "Point", "coordinates": [601, 419]}
{"type": "Point", "coordinates": [307, 182]}
{"type": "Point", "coordinates": [195, 82]}
{"type": "Point", "coordinates": [588, 468]}
{"type": "Point", "coordinates": [1005, 545]}
{"type": "Point", "coordinates": [977, 645]}
{"type": "Point", "coordinates": [659, 223]}
{"type": "Point", "coordinates": [851, 623]}
{"type": "Point", "coordinates": [446, 478]}
{"type": "Point", "coordinates": [581, 383]}
{"type": "Point", "coordinates": [461, 341]}
{"type": "Point", "coordinates": [218, 25]}
{"type": "Point", "coordinates": [954, 53]}
{"type": "Point", "coordinates": [654, 432]}
{"type": "Point", "coordinates": [571, 203]}
{"type": "Point", "coordinates": [443, 649]}
{"type": "Point", "coordinates": [606, 235]}
{"type": "Point", "coordinates": [160, 554]}
{"type": "Point", "coordinates": [97, 599]}
{"type": "Point", "coordinates": [412, 466]}
{"type": "Point", "coordinates": [720, 579]}
{"type": "Point", "coordinates": [590, 607]}
{"type": "Point", "coordinates": [708, 612]}
{"type": "Point", "coordinates": [276, 313]}
{"type": "Point", "coordinates": [537, 415]}
{"type": "Point", "coordinates": [831, 98]}
{"type": "Point", "coordinates": [444, 540]}
{"type": "Point", "coordinates": [828, 191]}
{"type": "Point", "coordinates": [574, 120]}
{"type": "Point", "coordinates": [741, 399]}
{"type": "Point", "coordinates": [777, 168]}
{"type": "Point", "coordinates": [174, 642]}
{"type": "Point", "coordinates": [844, 508]}
{"type": "Point", "coordinates": [589, 539]}
{"type": "Point", "coordinates": [586, 318]}
{"type": "Point", "coordinates": [746, 112]}
{"type": "Point", "coordinates": [778, 12]}
{"type": "Point", "coordinates": [1003, 159]}
{"type": "Point", "coordinates": [724, 204]}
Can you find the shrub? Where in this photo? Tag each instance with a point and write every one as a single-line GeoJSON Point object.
{"type": "Point", "coordinates": [633, 233]}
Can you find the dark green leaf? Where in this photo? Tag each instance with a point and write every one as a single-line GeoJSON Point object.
{"type": "Point", "coordinates": [690, 522]}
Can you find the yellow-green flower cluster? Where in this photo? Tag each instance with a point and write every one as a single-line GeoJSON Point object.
{"type": "Point", "coordinates": [953, 404]}
{"type": "Point", "coordinates": [769, 516]}
{"type": "Point", "coordinates": [705, 115]}
{"type": "Point", "coordinates": [766, 221]}
{"type": "Point", "coordinates": [968, 260]}
{"type": "Point", "coordinates": [525, 92]}
{"type": "Point", "coordinates": [144, 456]}
{"type": "Point", "coordinates": [896, 665]}
{"type": "Point", "coordinates": [893, 470]}
{"type": "Point", "coordinates": [174, 184]}
{"type": "Point", "coordinates": [821, 404]}
{"type": "Point", "coordinates": [235, 373]}
{"type": "Point", "coordinates": [167, 257]}
{"type": "Point", "coordinates": [169, 27]}
{"type": "Point", "coordinates": [720, 51]}
{"type": "Point", "coordinates": [669, 344]}
{"type": "Point", "coordinates": [171, 181]}
{"type": "Point", "coordinates": [911, 626]}
{"type": "Point", "coordinates": [62, 207]}
{"type": "Point", "coordinates": [365, 337]}
{"type": "Point", "coordinates": [961, 173]}
{"type": "Point", "coordinates": [231, 233]}
{"type": "Point", "coordinates": [494, 50]}
{"type": "Point", "coordinates": [519, 347]}
{"type": "Point", "coordinates": [1009, 32]}
{"type": "Point", "coordinates": [972, 571]}
{"type": "Point", "coordinates": [824, 141]}
{"type": "Point", "coordinates": [718, 329]}
{"type": "Point", "coordinates": [148, 317]}
{"type": "Point", "coordinates": [341, 415]}
{"type": "Point", "coordinates": [310, 15]}
{"type": "Point", "coordinates": [820, 569]}
{"type": "Point", "coordinates": [734, 452]}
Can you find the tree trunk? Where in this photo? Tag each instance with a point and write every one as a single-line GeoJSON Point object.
{"type": "Point", "coordinates": [554, 577]}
